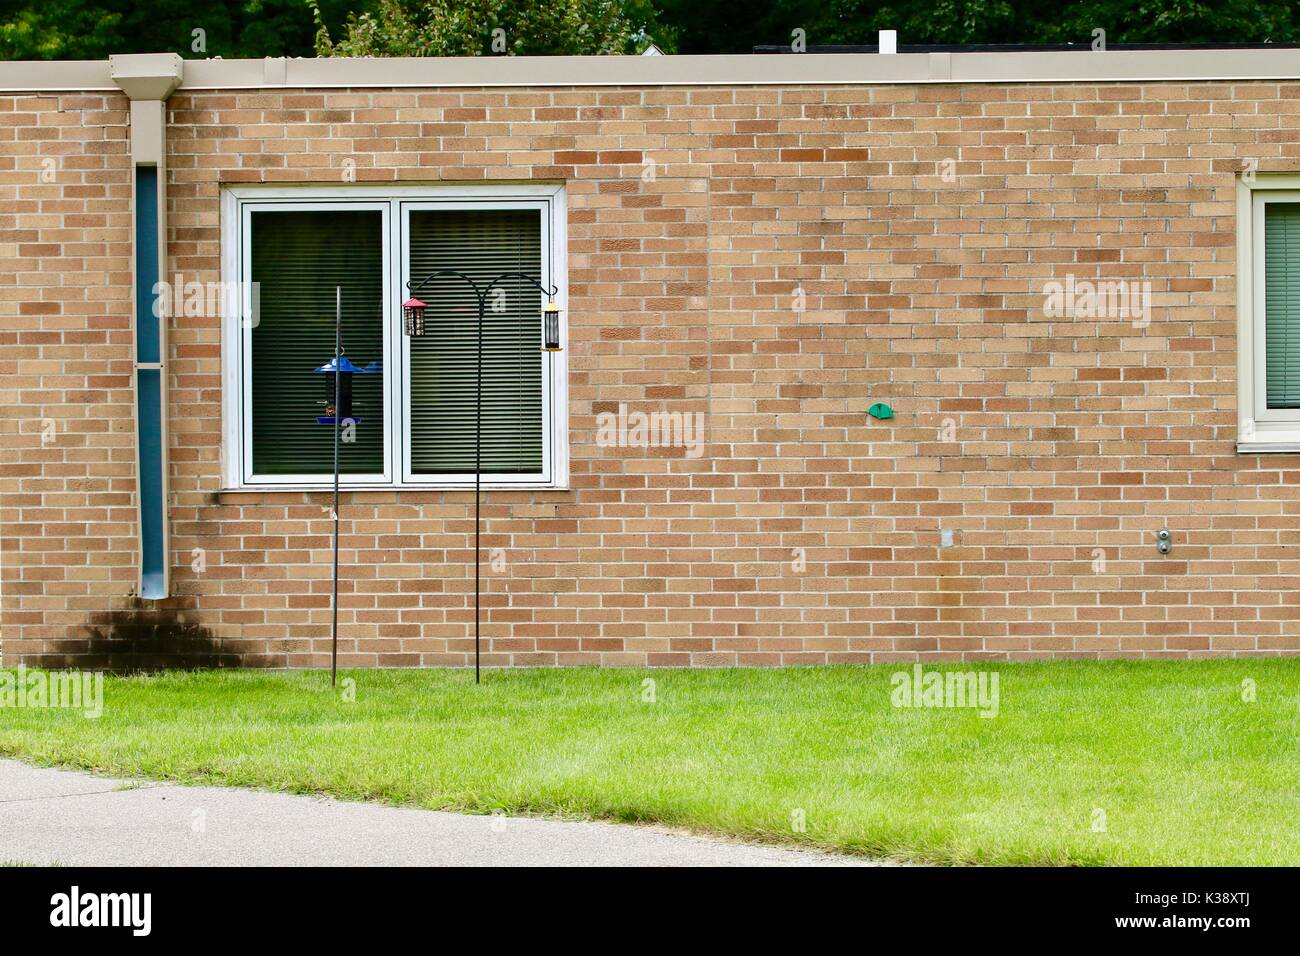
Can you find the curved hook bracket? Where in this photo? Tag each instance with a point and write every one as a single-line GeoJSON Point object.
{"type": "Point", "coordinates": [480, 294]}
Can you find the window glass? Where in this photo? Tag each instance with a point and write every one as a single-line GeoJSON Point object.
{"type": "Point", "coordinates": [298, 259]}
{"type": "Point", "coordinates": [1282, 303]}
{"type": "Point", "coordinates": [482, 244]}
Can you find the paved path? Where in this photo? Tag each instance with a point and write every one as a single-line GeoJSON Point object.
{"type": "Point", "coordinates": [76, 819]}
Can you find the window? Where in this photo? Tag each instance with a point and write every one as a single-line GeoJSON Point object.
{"type": "Point", "coordinates": [1268, 313]}
{"type": "Point", "coordinates": [411, 420]}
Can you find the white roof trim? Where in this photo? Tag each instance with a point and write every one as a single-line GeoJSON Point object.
{"type": "Point", "coordinates": [842, 69]}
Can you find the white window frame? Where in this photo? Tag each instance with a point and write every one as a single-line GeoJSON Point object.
{"type": "Point", "coordinates": [1259, 428]}
{"type": "Point", "coordinates": [237, 205]}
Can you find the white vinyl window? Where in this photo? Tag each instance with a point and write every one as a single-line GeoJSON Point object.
{"type": "Point", "coordinates": [1268, 314]}
{"type": "Point", "coordinates": [409, 415]}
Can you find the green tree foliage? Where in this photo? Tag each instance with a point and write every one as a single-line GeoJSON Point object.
{"type": "Point", "coordinates": [487, 27]}
{"type": "Point", "coordinates": [92, 29]}
{"type": "Point", "coordinates": [725, 26]}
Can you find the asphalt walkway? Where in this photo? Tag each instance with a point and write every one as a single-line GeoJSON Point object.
{"type": "Point", "coordinates": [78, 819]}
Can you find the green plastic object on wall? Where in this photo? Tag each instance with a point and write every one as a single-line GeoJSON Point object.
{"type": "Point", "coordinates": [880, 410]}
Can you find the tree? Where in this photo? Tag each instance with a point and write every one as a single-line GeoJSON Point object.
{"type": "Point", "coordinates": [724, 26]}
{"type": "Point", "coordinates": [93, 29]}
{"type": "Point", "coordinates": [488, 27]}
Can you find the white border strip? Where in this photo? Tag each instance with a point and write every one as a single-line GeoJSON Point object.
{"type": "Point", "coordinates": [821, 69]}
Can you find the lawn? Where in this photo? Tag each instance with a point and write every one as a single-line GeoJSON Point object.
{"type": "Point", "coordinates": [1085, 762]}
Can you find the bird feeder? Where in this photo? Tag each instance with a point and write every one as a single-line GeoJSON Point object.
{"type": "Point", "coordinates": [343, 369]}
{"type": "Point", "coordinates": [551, 327]}
{"type": "Point", "coordinates": [413, 316]}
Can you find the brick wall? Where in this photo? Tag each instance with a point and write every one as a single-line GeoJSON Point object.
{"type": "Point", "coordinates": [67, 529]}
{"type": "Point", "coordinates": [915, 226]}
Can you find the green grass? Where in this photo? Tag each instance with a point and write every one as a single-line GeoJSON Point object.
{"type": "Point", "coordinates": [22, 864]}
{"type": "Point", "coordinates": [1185, 771]}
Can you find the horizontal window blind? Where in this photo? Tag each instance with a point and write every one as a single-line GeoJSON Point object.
{"type": "Point", "coordinates": [1282, 303]}
{"type": "Point", "coordinates": [483, 244]}
{"type": "Point", "coordinates": [299, 258]}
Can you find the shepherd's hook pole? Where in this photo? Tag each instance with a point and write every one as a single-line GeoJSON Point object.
{"type": "Point", "coordinates": [334, 602]}
{"type": "Point", "coordinates": [478, 470]}
{"type": "Point", "coordinates": [481, 295]}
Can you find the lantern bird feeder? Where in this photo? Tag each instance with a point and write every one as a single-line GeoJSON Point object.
{"type": "Point", "coordinates": [345, 370]}
{"type": "Point", "coordinates": [414, 325]}
{"type": "Point", "coordinates": [413, 316]}
{"type": "Point", "coordinates": [551, 327]}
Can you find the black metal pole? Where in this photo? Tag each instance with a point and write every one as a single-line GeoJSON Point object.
{"type": "Point", "coordinates": [334, 601]}
{"type": "Point", "coordinates": [478, 471]}
{"type": "Point", "coordinates": [413, 288]}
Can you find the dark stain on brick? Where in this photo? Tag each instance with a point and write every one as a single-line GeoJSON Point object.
{"type": "Point", "coordinates": [144, 638]}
